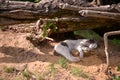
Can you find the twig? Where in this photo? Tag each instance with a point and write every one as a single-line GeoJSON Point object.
{"type": "Point", "coordinates": [106, 45]}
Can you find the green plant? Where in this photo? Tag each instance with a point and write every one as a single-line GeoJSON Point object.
{"type": "Point", "coordinates": [88, 34]}
{"type": "Point", "coordinates": [118, 68]}
{"type": "Point", "coordinates": [25, 73]}
{"type": "Point", "coordinates": [116, 78]}
{"type": "Point", "coordinates": [63, 62]}
{"type": "Point", "coordinates": [8, 69]}
{"type": "Point", "coordinates": [78, 72]}
{"type": "Point", "coordinates": [116, 41]}
{"type": "Point", "coordinates": [38, 76]}
{"type": "Point", "coordinates": [49, 25]}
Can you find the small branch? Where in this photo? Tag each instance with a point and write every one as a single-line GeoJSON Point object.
{"type": "Point", "coordinates": [100, 14]}
{"type": "Point", "coordinates": [106, 45]}
{"type": "Point", "coordinates": [78, 8]}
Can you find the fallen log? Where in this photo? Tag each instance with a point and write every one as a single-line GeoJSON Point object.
{"type": "Point", "coordinates": [16, 12]}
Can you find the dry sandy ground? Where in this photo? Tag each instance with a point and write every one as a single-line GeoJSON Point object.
{"type": "Point", "coordinates": [17, 55]}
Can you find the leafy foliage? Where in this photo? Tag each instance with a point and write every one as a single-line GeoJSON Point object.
{"type": "Point", "coordinates": [115, 41]}
{"type": "Point", "coordinates": [88, 34]}
{"type": "Point", "coordinates": [49, 25]}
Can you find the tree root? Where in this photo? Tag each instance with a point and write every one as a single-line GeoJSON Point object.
{"type": "Point", "coordinates": [106, 46]}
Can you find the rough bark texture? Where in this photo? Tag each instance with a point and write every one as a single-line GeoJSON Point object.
{"type": "Point", "coordinates": [15, 12]}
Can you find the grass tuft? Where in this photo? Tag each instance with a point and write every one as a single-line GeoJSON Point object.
{"type": "Point", "coordinates": [8, 69]}
{"type": "Point", "coordinates": [63, 62]}
{"type": "Point", "coordinates": [118, 68]}
{"type": "Point", "coordinates": [52, 68]}
{"type": "Point", "coordinates": [26, 74]}
{"type": "Point", "coordinates": [78, 72]}
{"type": "Point", "coordinates": [116, 78]}
{"type": "Point", "coordinates": [38, 76]}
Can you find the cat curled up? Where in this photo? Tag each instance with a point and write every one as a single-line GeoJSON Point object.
{"type": "Point", "coordinates": [65, 48]}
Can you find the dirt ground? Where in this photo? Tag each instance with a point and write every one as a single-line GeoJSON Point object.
{"type": "Point", "coordinates": [22, 60]}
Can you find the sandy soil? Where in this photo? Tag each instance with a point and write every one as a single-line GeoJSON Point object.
{"type": "Point", "coordinates": [17, 55]}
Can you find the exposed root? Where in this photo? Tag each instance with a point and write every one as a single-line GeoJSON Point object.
{"type": "Point", "coordinates": [106, 46]}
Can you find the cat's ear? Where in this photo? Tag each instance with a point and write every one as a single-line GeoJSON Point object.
{"type": "Point", "coordinates": [91, 40]}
